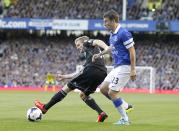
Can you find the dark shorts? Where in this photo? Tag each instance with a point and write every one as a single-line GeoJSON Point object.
{"type": "Point", "coordinates": [88, 81]}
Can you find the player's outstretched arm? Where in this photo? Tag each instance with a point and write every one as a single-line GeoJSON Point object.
{"type": "Point", "coordinates": [61, 77]}
{"type": "Point", "coordinates": [101, 44]}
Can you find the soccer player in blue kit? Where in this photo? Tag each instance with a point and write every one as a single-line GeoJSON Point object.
{"type": "Point", "coordinates": [121, 45]}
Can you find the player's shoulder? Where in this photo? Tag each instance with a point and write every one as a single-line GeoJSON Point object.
{"type": "Point", "coordinates": [124, 32]}
{"type": "Point", "coordinates": [88, 43]}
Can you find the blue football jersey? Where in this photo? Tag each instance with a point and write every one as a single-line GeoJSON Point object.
{"type": "Point", "coordinates": [120, 41]}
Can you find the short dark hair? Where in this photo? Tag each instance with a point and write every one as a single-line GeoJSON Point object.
{"type": "Point", "coordinates": [112, 15]}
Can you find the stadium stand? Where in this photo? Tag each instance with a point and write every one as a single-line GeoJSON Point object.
{"type": "Point", "coordinates": [163, 55]}
{"type": "Point", "coordinates": [169, 11]}
{"type": "Point", "coordinates": [82, 9]}
{"type": "Point", "coordinates": [26, 61]}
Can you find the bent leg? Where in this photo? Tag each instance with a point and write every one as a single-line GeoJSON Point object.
{"type": "Point", "coordinates": [104, 89]}
{"type": "Point", "coordinates": [117, 101]}
{"type": "Point", "coordinates": [57, 97]}
{"type": "Point", "coordinates": [91, 103]}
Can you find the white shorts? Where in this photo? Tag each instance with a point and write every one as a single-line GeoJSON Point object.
{"type": "Point", "coordinates": [118, 77]}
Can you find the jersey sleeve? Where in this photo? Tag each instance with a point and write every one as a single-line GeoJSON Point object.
{"type": "Point", "coordinates": [127, 39]}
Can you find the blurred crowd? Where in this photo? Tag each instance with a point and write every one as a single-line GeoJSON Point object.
{"type": "Point", "coordinates": [26, 61]}
{"type": "Point", "coordinates": [168, 11]}
{"type": "Point", "coordinates": [163, 55]}
{"type": "Point", "coordinates": [91, 9]}
{"type": "Point", "coordinates": [62, 9]}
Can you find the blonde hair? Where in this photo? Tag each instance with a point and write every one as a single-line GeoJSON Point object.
{"type": "Point", "coordinates": [81, 38]}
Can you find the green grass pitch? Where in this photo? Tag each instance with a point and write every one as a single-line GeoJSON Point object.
{"type": "Point", "coordinates": [152, 113]}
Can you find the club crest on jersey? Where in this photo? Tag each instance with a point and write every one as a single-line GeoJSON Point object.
{"type": "Point", "coordinates": [115, 38]}
{"type": "Point", "coordinates": [114, 51]}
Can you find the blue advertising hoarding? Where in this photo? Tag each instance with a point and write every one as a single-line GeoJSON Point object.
{"type": "Point", "coordinates": [9, 23]}
{"type": "Point", "coordinates": [74, 24]}
{"type": "Point", "coordinates": [38, 24]}
{"type": "Point", "coordinates": [134, 25]}
{"type": "Point", "coordinates": [70, 25]}
{"type": "Point", "coordinates": [174, 26]}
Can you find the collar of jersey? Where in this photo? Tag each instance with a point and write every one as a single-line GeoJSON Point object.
{"type": "Point", "coordinates": [117, 29]}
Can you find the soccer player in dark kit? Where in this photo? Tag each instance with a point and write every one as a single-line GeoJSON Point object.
{"type": "Point", "coordinates": [86, 80]}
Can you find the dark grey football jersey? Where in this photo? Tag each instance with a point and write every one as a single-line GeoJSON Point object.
{"type": "Point", "coordinates": [89, 51]}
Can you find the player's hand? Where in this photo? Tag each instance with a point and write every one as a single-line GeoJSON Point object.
{"type": "Point", "coordinates": [133, 75]}
{"type": "Point", "coordinates": [95, 56]}
{"type": "Point", "coordinates": [60, 77]}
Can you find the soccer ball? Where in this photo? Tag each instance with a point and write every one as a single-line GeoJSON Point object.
{"type": "Point", "coordinates": [34, 114]}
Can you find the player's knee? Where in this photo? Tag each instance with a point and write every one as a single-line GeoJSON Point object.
{"type": "Point", "coordinates": [66, 89]}
{"type": "Point", "coordinates": [104, 88]}
{"type": "Point", "coordinates": [113, 94]}
{"type": "Point", "coordinates": [82, 96]}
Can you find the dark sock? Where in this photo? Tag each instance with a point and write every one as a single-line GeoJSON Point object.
{"type": "Point", "coordinates": [56, 98]}
{"type": "Point", "coordinates": [91, 103]}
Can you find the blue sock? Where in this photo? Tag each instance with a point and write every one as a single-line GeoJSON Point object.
{"type": "Point", "coordinates": [118, 104]}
